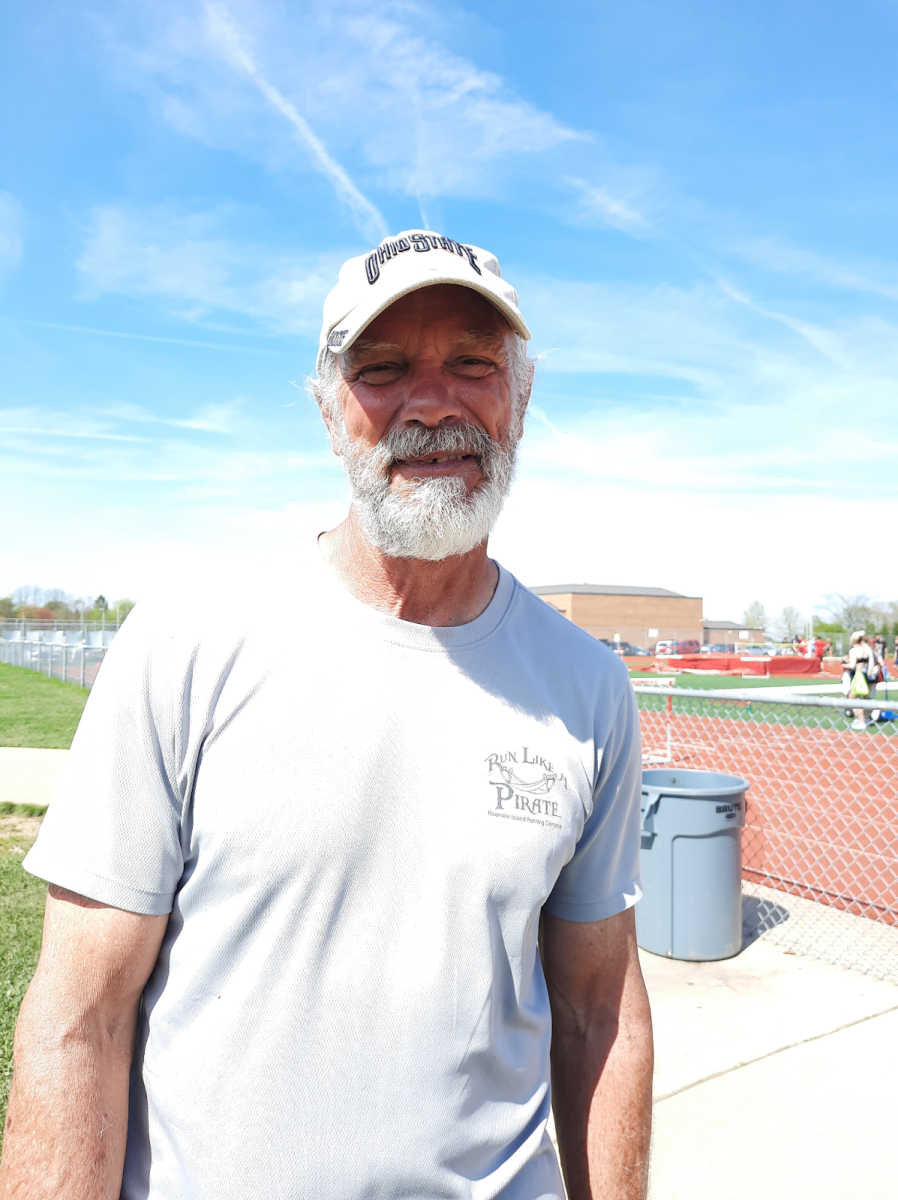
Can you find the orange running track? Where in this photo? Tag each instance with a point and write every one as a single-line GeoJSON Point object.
{"type": "Point", "coordinates": [822, 809]}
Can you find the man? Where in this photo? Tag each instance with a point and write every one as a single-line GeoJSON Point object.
{"type": "Point", "coordinates": [297, 886]}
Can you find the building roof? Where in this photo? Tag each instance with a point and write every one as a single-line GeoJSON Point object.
{"type": "Point", "coordinates": [724, 625]}
{"type": "Point", "coordinates": [605, 589]}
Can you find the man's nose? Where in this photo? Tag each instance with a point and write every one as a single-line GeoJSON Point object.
{"type": "Point", "coordinates": [430, 398]}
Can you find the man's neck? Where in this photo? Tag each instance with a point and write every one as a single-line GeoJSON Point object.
{"type": "Point", "coordinates": [452, 592]}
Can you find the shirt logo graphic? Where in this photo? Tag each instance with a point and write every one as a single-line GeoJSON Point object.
{"type": "Point", "coordinates": [523, 783]}
{"type": "Point", "coordinates": [540, 786]}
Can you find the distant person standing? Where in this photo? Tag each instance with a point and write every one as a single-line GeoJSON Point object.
{"type": "Point", "coordinates": [859, 659]}
{"type": "Point", "coordinates": [879, 649]}
{"type": "Point", "coordinates": [878, 672]}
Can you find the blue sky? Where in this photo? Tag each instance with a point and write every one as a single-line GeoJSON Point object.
{"type": "Point", "coordinates": [696, 202]}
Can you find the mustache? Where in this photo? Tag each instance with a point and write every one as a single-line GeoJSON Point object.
{"type": "Point", "coordinates": [421, 442]}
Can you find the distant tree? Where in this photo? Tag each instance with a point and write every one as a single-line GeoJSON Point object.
{"type": "Point", "coordinates": [852, 612]}
{"type": "Point", "coordinates": [789, 622]}
{"type": "Point", "coordinates": [54, 604]}
{"type": "Point", "coordinates": [823, 626]}
{"type": "Point", "coordinates": [60, 609]}
{"type": "Point", "coordinates": [755, 616]}
{"type": "Point", "coordinates": [28, 595]}
{"type": "Point", "coordinates": [890, 617]}
{"type": "Point", "coordinates": [36, 612]}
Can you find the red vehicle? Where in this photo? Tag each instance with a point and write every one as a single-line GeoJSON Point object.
{"type": "Point", "coordinates": [688, 646]}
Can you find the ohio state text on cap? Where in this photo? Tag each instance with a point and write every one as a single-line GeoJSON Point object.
{"type": "Point", "coordinates": [413, 259]}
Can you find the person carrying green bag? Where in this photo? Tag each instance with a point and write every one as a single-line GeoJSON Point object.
{"type": "Point", "coordinates": [860, 675]}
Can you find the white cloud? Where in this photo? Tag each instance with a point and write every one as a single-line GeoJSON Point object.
{"type": "Point", "coordinates": [784, 258]}
{"type": "Point", "coordinates": [379, 87]}
{"type": "Point", "coordinates": [228, 38]}
{"type": "Point", "coordinates": [232, 347]}
{"type": "Point", "coordinates": [601, 204]}
{"type": "Point", "coordinates": [729, 550]}
{"type": "Point", "coordinates": [437, 124]}
{"type": "Point", "coordinates": [191, 262]}
{"type": "Point", "coordinates": [722, 350]}
{"type": "Point", "coordinates": [160, 469]}
{"type": "Point", "coordinates": [211, 418]}
{"type": "Point", "coordinates": [240, 552]}
{"type": "Point", "coordinates": [12, 242]}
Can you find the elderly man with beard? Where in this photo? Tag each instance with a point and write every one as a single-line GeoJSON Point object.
{"type": "Point", "coordinates": [326, 915]}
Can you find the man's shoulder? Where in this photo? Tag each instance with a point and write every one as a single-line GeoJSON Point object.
{"type": "Point", "coordinates": [565, 640]}
{"type": "Point", "coordinates": [223, 613]}
{"type": "Point", "coordinates": [168, 641]}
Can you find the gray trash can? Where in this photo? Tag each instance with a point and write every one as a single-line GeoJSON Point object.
{"type": "Point", "coordinates": [691, 863]}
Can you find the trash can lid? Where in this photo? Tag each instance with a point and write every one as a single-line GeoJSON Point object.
{"type": "Point", "coordinates": [696, 784]}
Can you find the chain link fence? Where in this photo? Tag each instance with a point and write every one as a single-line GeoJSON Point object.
{"type": "Point", "coordinates": [57, 660]}
{"type": "Point", "coordinates": [819, 851]}
{"type": "Point", "coordinates": [820, 846]}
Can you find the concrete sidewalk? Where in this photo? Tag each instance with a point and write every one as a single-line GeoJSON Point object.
{"type": "Point", "coordinates": [775, 1076]}
{"type": "Point", "coordinates": [29, 776]}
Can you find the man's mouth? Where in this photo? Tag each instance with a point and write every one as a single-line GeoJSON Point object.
{"type": "Point", "coordinates": [433, 460]}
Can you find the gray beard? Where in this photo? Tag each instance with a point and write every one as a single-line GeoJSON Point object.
{"type": "Point", "coordinates": [429, 519]}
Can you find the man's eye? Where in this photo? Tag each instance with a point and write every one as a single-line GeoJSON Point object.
{"type": "Point", "coordinates": [379, 373]}
{"type": "Point", "coordinates": [474, 366]}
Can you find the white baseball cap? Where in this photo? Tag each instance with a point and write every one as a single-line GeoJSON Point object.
{"type": "Point", "coordinates": [413, 259]}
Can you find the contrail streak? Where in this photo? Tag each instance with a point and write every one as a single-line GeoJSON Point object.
{"type": "Point", "coordinates": [137, 337]}
{"type": "Point", "coordinates": [369, 219]}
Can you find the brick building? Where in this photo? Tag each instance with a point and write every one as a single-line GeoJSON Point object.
{"type": "Point", "coordinates": [640, 616]}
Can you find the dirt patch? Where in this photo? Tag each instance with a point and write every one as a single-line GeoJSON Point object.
{"type": "Point", "coordinates": [21, 828]}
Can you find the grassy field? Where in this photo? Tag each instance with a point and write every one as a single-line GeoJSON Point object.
{"type": "Point", "coordinates": [21, 916]}
{"type": "Point", "coordinates": [42, 713]}
{"type": "Point", "coordinates": [37, 711]}
{"type": "Point", "coordinates": [720, 683]}
{"type": "Point", "coordinates": [770, 714]}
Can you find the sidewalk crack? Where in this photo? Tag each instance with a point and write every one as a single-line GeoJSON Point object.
{"type": "Point", "coordinates": [770, 1054]}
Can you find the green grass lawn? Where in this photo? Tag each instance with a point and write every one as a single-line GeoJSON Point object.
{"type": "Point", "coordinates": [720, 683]}
{"type": "Point", "coordinates": [37, 711]}
{"type": "Point", "coordinates": [776, 713]}
{"type": "Point", "coordinates": [22, 900]}
{"type": "Point", "coordinates": [43, 713]}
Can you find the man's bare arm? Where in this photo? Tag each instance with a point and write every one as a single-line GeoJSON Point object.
{"type": "Point", "coordinates": [601, 1056]}
{"type": "Point", "coordinates": [68, 1111]}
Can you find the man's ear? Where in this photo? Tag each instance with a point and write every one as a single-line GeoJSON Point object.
{"type": "Point", "coordinates": [524, 400]}
{"type": "Point", "coordinates": [327, 417]}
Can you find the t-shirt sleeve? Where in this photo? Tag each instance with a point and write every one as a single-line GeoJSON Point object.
{"type": "Point", "coordinates": [602, 877]}
{"type": "Point", "coordinates": [113, 828]}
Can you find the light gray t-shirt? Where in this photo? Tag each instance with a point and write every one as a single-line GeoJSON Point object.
{"type": "Point", "coordinates": [355, 823]}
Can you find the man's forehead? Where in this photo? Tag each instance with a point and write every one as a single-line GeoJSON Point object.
{"type": "Point", "coordinates": [470, 336]}
{"type": "Point", "coordinates": [444, 307]}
